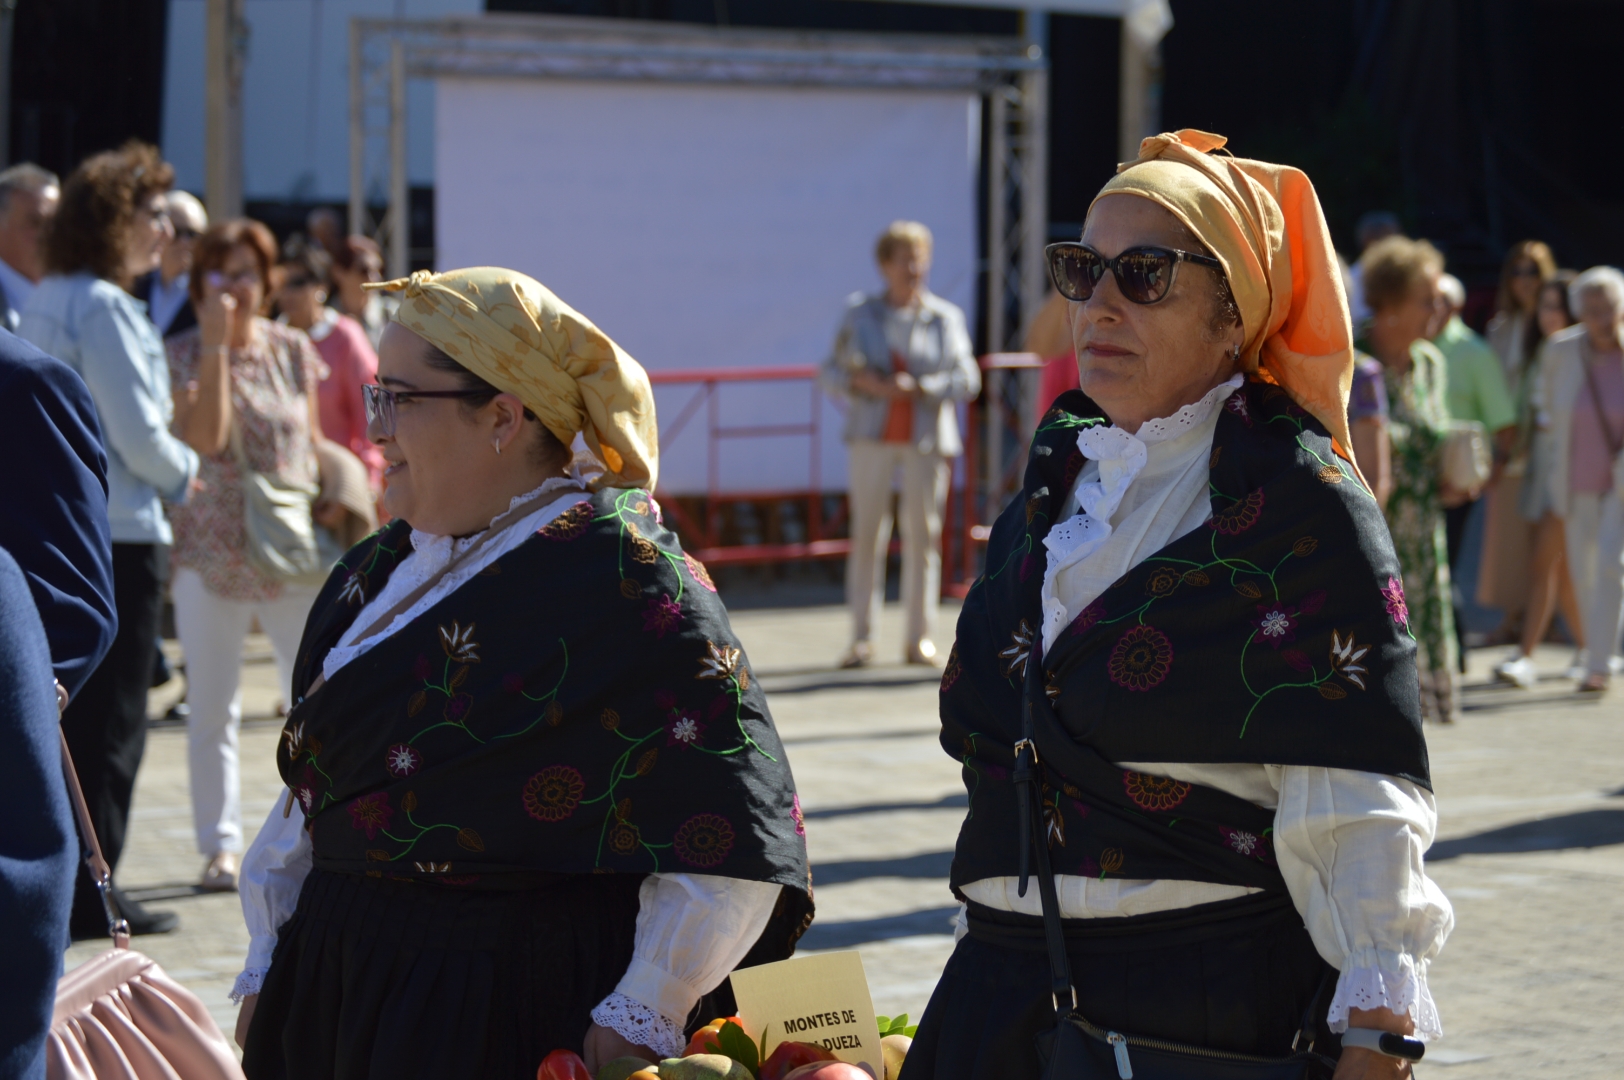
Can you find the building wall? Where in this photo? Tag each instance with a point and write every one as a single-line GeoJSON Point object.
{"type": "Point", "coordinates": [295, 96]}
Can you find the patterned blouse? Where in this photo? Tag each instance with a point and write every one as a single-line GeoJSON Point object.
{"type": "Point", "coordinates": [271, 380]}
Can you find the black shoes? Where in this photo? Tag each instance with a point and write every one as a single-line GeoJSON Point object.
{"type": "Point", "coordinates": [86, 926]}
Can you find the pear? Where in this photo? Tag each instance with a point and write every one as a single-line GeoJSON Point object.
{"type": "Point", "coordinates": [703, 1067]}
{"type": "Point", "coordinates": [622, 1068]}
{"type": "Point", "coordinates": [894, 1048]}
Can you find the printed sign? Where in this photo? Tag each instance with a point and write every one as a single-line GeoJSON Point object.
{"type": "Point", "coordinates": [821, 999]}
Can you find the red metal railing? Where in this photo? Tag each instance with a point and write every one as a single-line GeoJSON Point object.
{"type": "Point", "coordinates": [981, 478]}
{"type": "Point", "coordinates": [705, 535]}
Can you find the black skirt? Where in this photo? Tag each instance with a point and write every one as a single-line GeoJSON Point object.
{"type": "Point", "coordinates": [390, 980]}
{"type": "Point", "coordinates": [1237, 976]}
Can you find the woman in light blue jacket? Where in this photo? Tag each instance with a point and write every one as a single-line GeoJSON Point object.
{"type": "Point", "coordinates": [111, 229]}
{"type": "Point", "coordinates": [902, 361]}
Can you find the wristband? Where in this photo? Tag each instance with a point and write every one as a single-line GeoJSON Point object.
{"type": "Point", "coordinates": [1384, 1042]}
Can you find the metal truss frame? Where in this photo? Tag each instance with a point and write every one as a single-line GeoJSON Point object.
{"type": "Point", "coordinates": [1011, 75]}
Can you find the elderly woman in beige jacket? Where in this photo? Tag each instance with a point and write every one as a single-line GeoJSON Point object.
{"type": "Point", "coordinates": [903, 360]}
{"type": "Point", "coordinates": [1583, 416]}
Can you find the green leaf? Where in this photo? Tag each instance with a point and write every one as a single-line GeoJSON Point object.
{"type": "Point", "coordinates": [897, 1024]}
{"type": "Point", "coordinates": [738, 1046]}
{"type": "Point", "coordinates": [910, 1030]}
{"type": "Point", "coordinates": [884, 1023]}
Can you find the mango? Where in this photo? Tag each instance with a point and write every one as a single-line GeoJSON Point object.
{"type": "Point", "coordinates": [703, 1067]}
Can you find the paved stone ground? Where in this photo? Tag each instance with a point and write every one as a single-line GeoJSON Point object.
{"type": "Point", "coordinates": [1531, 848]}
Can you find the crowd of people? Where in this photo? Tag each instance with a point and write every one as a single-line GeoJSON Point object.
{"type": "Point", "coordinates": [1536, 389]}
{"type": "Point", "coordinates": [199, 394]}
{"type": "Point", "coordinates": [226, 421]}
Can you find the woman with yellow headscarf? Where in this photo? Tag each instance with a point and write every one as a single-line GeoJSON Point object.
{"type": "Point", "coordinates": [535, 800]}
{"type": "Point", "coordinates": [1184, 690]}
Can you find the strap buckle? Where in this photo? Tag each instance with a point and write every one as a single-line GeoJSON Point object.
{"type": "Point", "coordinates": [1027, 744]}
{"type": "Point", "coordinates": [118, 928]}
{"type": "Point", "coordinates": [1054, 997]}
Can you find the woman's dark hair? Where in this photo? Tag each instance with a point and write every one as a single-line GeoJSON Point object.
{"type": "Point", "coordinates": [1537, 252]}
{"type": "Point", "coordinates": [352, 248]}
{"type": "Point", "coordinates": [548, 445]}
{"type": "Point", "coordinates": [307, 258]}
{"type": "Point", "coordinates": [1559, 282]}
{"type": "Point", "coordinates": [99, 203]}
{"type": "Point", "coordinates": [1226, 312]}
{"type": "Point", "coordinates": [214, 247]}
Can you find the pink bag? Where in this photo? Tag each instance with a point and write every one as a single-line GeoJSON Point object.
{"type": "Point", "coordinates": [118, 1016]}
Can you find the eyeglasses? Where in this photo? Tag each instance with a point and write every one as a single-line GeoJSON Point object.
{"type": "Point", "coordinates": [1144, 274]}
{"type": "Point", "coordinates": [381, 401]}
{"type": "Point", "coordinates": [222, 280]}
{"type": "Point", "coordinates": [186, 234]}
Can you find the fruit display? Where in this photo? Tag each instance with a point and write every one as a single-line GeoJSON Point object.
{"type": "Point", "coordinates": [721, 1050]}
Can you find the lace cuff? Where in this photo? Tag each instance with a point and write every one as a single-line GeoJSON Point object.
{"type": "Point", "coordinates": [640, 1025]}
{"type": "Point", "coordinates": [248, 983]}
{"type": "Point", "coordinates": [1385, 980]}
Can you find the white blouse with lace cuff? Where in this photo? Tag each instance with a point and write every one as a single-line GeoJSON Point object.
{"type": "Point", "coordinates": [692, 929]}
{"type": "Point", "coordinates": [1348, 843]}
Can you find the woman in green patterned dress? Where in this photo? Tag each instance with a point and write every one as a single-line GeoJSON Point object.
{"type": "Point", "coordinates": [1400, 278]}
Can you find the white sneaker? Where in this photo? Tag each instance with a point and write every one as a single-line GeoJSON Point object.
{"type": "Point", "coordinates": [1519, 671]}
{"type": "Point", "coordinates": [1616, 664]}
{"type": "Point", "coordinates": [1579, 666]}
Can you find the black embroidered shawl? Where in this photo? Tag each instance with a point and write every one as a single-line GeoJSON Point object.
{"type": "Point", "coordinates": [1276, 633]}
{"type": "Point", "coordinates": [580, 706]}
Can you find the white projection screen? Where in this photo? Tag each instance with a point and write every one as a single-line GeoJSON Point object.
{"type": "Point", "coordinates": [708, 226]}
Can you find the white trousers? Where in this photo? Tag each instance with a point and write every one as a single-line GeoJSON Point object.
{"type": "Point", "coordinates": [1595, 531]}
{"type": "Point", "coordinates": [212, 631]}
{"type": "Point", "coordinates": [874, 466]}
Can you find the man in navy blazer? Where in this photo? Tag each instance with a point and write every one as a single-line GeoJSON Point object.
{"type": "Point", "coordinates": [56, 609]}
{"type": "Point", "coordinates": [37, 844]}
{"type": "Point", "coordinates": [55, 524]}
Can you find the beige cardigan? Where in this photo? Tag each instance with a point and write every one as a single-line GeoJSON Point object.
{"type": "Point", "coordinates": [1561, 379]}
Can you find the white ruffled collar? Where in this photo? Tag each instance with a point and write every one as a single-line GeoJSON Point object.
{"type": "Point", "coordinates": [1191, 415]}
{"type": "Point", "coordinates": [1122, 457]}
{"type": "Point", "coordinates": [435, 550]}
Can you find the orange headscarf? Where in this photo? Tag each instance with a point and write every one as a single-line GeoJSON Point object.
{"type": "Point", "coordinates": [1264, 223]}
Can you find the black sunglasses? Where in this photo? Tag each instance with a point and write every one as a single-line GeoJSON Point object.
{"type": "Point", "coordinates": [1144, 274]}
{"type": "Point", "coordinates": [381, 401]}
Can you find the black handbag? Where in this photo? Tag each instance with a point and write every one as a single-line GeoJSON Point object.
{"type": "Point", "coordinates": [1077, 1049]}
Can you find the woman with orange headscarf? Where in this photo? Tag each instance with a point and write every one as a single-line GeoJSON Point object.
{"type": "Point", "coordinates": [1184, 691]}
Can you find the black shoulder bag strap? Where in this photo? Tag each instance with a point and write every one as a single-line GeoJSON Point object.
{"type": "Point", "coordinates": [1075, 1048]}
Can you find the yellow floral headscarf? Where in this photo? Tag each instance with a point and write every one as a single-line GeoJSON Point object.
{"type": "Point", "coordinates": [511, 331]}
{"type": "Point", "coordinates": [1264, 223]}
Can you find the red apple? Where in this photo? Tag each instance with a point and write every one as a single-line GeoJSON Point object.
{"type": "Point", "coordinates": [789, 1056]}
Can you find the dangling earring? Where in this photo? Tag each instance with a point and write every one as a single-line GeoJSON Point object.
{"type": "Point", "coordinates": [498, 444]}
{"type": "Point", "coordinates": [1235, 355]}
